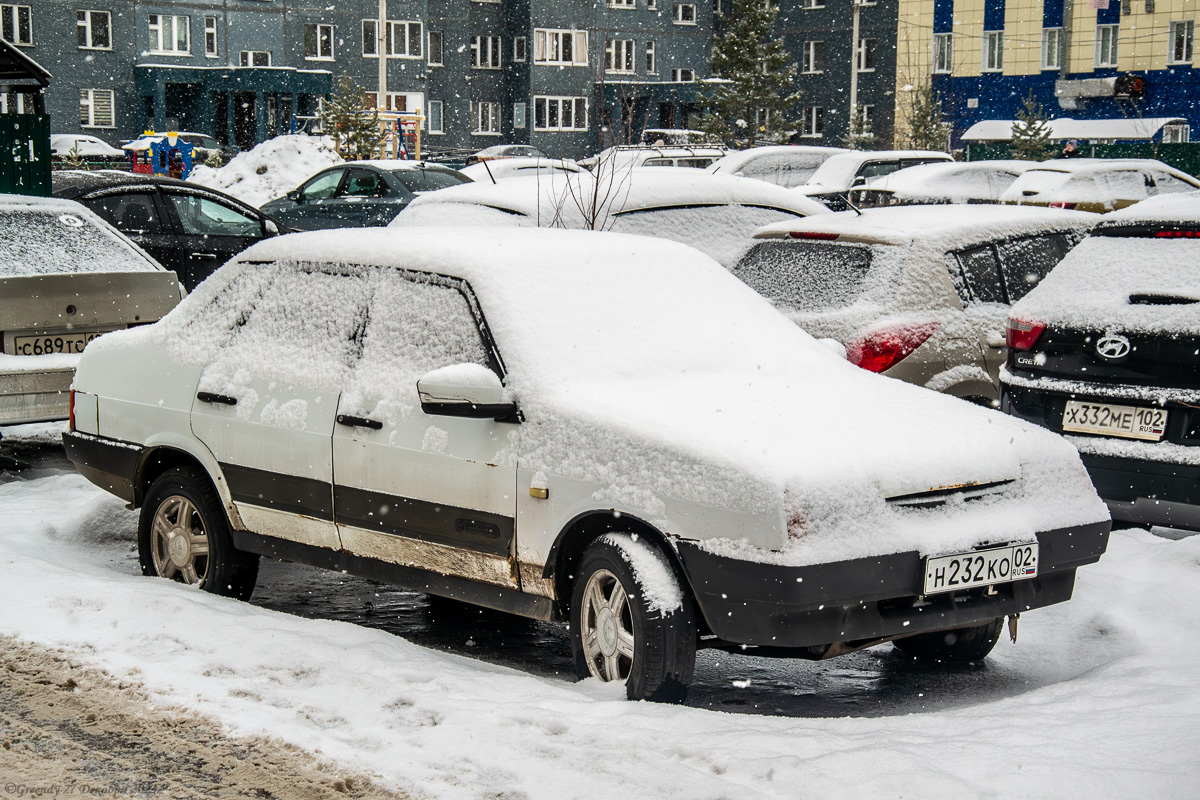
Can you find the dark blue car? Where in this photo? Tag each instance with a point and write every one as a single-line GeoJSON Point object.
{"type": "Point", "coordinates": [359, 194]}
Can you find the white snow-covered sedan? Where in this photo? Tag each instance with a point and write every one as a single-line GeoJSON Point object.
{"type": "Point", "coordinates": [604, 428]}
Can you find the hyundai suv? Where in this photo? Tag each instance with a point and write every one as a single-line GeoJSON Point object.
{"type": "Point", "coordinates": [1107, 351]}
{"type": "Point", "coordinates": [497, 417]}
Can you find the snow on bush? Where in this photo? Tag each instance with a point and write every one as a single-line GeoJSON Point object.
{"type": "Point", "coordinates": [270, 170]}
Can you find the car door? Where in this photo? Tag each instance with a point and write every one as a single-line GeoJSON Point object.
{"type": "Point", "coordinates": [212, 230]}
{"type": "Point", "coordinates": [985, 303]}
{"type": "Point", "coordinates": [306, 212]}
{"type": "Point", "coordinates": [432, 492]}
{"type": "Point", "coordinates": [282, 344]}
{"type": "Point", "coordinates": [354, 199]}
{"type": "Point", "coordinates": [139, 213]}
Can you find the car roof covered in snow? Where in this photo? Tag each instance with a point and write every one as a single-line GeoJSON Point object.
{"type": "Point", "coordinates": [905, 225]}
{"type": "Point", "coordinates": [1082, 166]}
{"type": "Point", "coordinates": [956, 180]}
{"type": "Point", "coordinates": [391, 165]}
{"type": "Point", "coordinates": [739, 159]}
{"type": "Point", "coordinates": [1181, 207]}
{"type": "Point", "coordinates": [839, 170]}
{"type": "Point", "coordinates": [485, 171]}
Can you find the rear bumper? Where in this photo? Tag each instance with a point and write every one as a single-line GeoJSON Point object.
{"type": "Point", "coordinates": [109, 464]}
{"type": "Point", "coordinates": [35, 396]}
{"type": "Point", "coordinates": [870, 598]}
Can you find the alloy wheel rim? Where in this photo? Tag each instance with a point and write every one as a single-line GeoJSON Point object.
{"type": "Point", "coordinates": [179, 541]}
{"type": "Point", "coordinates": [606, 627]}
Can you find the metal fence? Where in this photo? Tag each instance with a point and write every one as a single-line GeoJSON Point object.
{"type": "Point", "coordinates": [25, 154]}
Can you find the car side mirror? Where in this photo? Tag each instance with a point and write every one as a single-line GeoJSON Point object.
{"type": "Point", "coordinates": [270, 228]}
{"type": "Point", "coordinates": [859, 181]}
{"type": "Point", "coordinates": [294, 194]}
{"type": "Point", "coordinates": [465, 390]}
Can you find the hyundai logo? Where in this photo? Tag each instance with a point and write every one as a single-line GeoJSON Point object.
{"type": "Point", "coordinates": [1113, 347]}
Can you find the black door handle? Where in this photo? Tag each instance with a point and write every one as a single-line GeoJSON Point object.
{"type": "Point", "coordinates": [222, 399]}
{"type": "Point", "coordinates": [359, 422]}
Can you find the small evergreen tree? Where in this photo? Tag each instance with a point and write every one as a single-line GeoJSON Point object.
{"type": "Point", "coordinates": [759, 78]}
{"type": "Point", "coordinates": [927, 127]}
{"type": "Point", "coordinates": [1031, 131]}
{"type": "Point", "coordinates": [351, 121]}
{"type": "Point", "coordinates": [73, 159]}
{"type": "Point", "coordinates": [860, 135]}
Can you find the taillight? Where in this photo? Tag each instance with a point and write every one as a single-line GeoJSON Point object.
{"type": "Point", "coordinates": [71, 412]}
{"type": "Point", "coordinates": [1177, 234]}
{"type": "Point", "coordinates": [823, 237]}
{"type": "Point", "coordinates": [883, 348]}
{"type": "Point", "coordinates": [1060, 204]}
{"type": "Point", "coordinates": [1020, 334]}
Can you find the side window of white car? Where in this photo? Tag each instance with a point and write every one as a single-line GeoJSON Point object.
{"type": "Point", "coordinates": [279, 322]}
{"type": "Point", "coordinates": [981, 273]}
{"type": "Point", "coordinates": [414, 327]}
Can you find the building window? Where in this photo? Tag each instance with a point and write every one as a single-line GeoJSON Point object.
{"type": "Point", "coordinates": [94, 29]}
{"type": "Point", "coordinates": [812, 121]}
{"type": "Point", "coordinates": [560, 114]}
{"type": "Point", "coordinates": [485, 52]}
{"type": "Point", "coordinates": [520, 49]}
{"type": "Point", "coordinates": [1052, 48]}
{"type": "Point", "coordinates": [1181, 41]}
{"type": "Point", "coordinates": [435, 48]}
{"type": "Point", "coordinates": [518, 115]}
{"type": "Point", "coordinates": [685, 14]}
{"type": "Point", "coordinates": [683, 75]}
{"type": "Point", "coordinates": [318, 42]}
{"type": "Point", "coordinates": [485, 117]}
{"type": "Point", "coordinates": [813, 57]}
{"type": "Point", "coordinates": [622, 3]}
{"type": "Point", "coordinates": [651, 64]}
{"type": "Point", "coordinates": [651, 5]}
{"type": "Point", "coordinates": [395, 101]}
{"type": "Point", "coordinates": [865, 55]}
{"type": "Point", "coordinates": [943, 52]}
{"type": "Point", "coordinates": [993, 51]}
{"type": "Point", "coordinates": [560, 47]}
{"type": "Point", "coordinates": [256, 58]}
{"type": "Point", "coordinates": [814, 3]}
{"type": "Point", "coordinates": [210, 37]}
{"type": "Point", "coordinates": [619, 55]}
{"type": "Point", "coordinates": [169, 33]}
{"type": "Point", "coordinates": [434, 117]}
{"type": "Point", "coordinates": [1175, 133]}
{"type": "Point", "coordinates": [403, 40]}
{"type": "Point", "coordinates": [96, 108]}
{"type": "Point", "coordinates": [1106, 45]}
{"type": "Point", "coordinates": [17, 105]}
{"type": "Point", "coordinates": [16, 24]}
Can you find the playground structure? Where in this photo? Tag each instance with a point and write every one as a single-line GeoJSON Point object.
{"type": "Point", "coordinates": [397, 130]}
{"type": "Point", "coordinates": [153, 155]}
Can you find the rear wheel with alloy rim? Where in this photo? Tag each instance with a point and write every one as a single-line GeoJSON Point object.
{"type": "Point", "coordinates": [620, 629]}
{"type": "Point", "coordinates": [183, 536]}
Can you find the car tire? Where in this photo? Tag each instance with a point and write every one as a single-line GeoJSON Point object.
{"type": "Point", "coordinates": [617, 633]}
{"type": "Point", "coordinates": [183, 535]}
{"type": "Point", "coordinates": [957, 646]}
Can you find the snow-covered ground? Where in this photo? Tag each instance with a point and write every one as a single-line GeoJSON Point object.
{"type": "Point", "coordinates": [1098, 699]}
{"type": "Point", "coordinates": [270, 170]}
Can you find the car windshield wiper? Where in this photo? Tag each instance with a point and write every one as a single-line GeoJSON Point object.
{"type": "Point", "coordinates": [1161, 300]}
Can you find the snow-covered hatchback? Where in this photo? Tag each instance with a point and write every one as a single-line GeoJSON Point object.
{"type": "Point", "coordinates": [572, 424]}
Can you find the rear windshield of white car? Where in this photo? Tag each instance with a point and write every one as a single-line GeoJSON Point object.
{"type": "Point", "coordinates": [721, 231]}
{"type": "Point", "coordinates": [807, 276]}
{"type": "Point", "coordinates": [44, 242]}
{"type": "Point", "coordinates": [426, 180]}
{"type": "Point", "coordinates": [783, 169]}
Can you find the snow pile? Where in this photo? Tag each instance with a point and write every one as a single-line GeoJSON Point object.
{"type": "Point", "coordinates": [270, 170]}
{"type": "Point", "coordinates": [1098, 699]}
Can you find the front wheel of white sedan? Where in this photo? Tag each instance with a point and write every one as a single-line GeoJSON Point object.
{"type": "Point", "coordinates": [183, 535]}
{"type": "Point", "coordinates": [633, 624]}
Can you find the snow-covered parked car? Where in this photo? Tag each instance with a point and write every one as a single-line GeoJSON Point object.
{"type": "Point", "coordinates": [623, 158]}
{"type": "Point", "coordinates": [66, 277]}
{"type": "Point", "coordinates": [500, 169]}
{"type": "Point", "coordinates": [716, 214]}
{"type": "Point", "coordinates": [943, 182]}
{"type": "Point", "coordinates": [65, 144]}
{"type": "Point", "coordinates": [545, 422]}
{"type": "Point", "coordinates": [783, 165]}
{"type": "Point", "coordinates": [1096, 184]}
{"type": "Point", "coordinates": [918, 293]}
{"type": "Point", "coordinates": [1107, 352]}
{"type": "Point", "coordinates": [844, 173]}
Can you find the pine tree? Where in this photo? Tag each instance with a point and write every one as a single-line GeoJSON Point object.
{"type": "Point", "coordinates": [1031, 131]}
{"type": "Point", "coordinates": [927, 127]}
{"type": "Point", "coordinates": [860, 135]}
{"type": "Point", "coordinates": [351, 121]}
{"type": "Point", "coordinates": [756, 94]}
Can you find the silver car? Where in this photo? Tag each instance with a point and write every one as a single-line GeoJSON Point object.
{"type": "Point", "coordinates": [66, 277]}
{"type": "Point", "coordinates": [918, 293]}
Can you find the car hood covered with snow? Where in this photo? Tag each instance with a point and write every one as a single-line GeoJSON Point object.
{"type": "Point", "coordinates": [651, 376]}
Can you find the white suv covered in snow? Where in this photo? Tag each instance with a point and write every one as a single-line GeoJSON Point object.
{"type": "Point", "coordinates": [570, 424]}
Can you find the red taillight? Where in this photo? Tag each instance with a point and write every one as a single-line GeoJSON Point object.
{"type": "Point", "coordinates": [1177, 235]}
{"type": "Point", "coordinates": [1059, 204]}
{"type": "Point", "coordinates": [824, 237]}
{"type": "Point", "coordinates": [71, 412]}
{"type": "Point", "coordinates": [883, 348]}
{"type": "Point", "coordinates": [1020, 334]}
